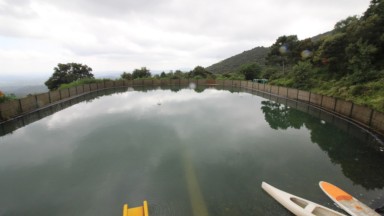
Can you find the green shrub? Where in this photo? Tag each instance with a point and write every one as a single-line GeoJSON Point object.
{"type": "Point", "coordinates": [82, 82]}
{"type": "Point", "coordinates": [302, 75]}
{"type": "Point", "coordinates": [6, 97]}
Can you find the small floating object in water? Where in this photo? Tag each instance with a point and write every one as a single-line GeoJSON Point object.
{"type": "Point", "coordinates": [298, 205]}
{"type": "Point", "coordinates": [347, 202]}
{"type": "Point", "coordinates": [136, 211]}
{"type": "Point", "coordinates": [159, 104]}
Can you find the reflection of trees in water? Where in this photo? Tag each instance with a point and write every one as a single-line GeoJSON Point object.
{"type": "Point", "coordinates": [282, 117]}
{"type": "Point", "coordinates": [359, 162]}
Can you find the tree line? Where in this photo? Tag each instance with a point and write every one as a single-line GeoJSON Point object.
{"type": "Point", "coordinates": [65, 74]}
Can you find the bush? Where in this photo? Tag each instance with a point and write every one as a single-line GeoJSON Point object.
{"type": "Point", "coordinates": [67, 73]}
{"type": "Point", "coordinates": [81, 82]}
{"type": "Point", "coordinates": [302, 73]}
{"type": "Point", "coordinates": [250, 71]}
{"type": "Point", "coordinates": [8, 97]}
{"type": "Point", "coordinates": [358, 90]}
{"type": "Point", "coordinates": [270, 73]}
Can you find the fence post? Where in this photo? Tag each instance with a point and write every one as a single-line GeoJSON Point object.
{"type": "Point", "coordinates": [49, 97]}
{"type": "Point", "coordinates": [350, 111]}
{"type": "Point", "coordinates": [370, 117]}
{"type": "Point", "coordinates": [334, 106]}
{"type": "Point", "coordinates": [20, 106]}
{"type": "Point", "coordinates": [310, 96]}
{"type": "Point", "coordinates": [36, 101]}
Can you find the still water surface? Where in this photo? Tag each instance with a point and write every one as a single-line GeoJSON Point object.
{"type": "Point", "coordinates": [187, 152]}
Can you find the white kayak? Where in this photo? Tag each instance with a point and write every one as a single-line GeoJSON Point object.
{"type": "Point", "coordinates": [298, 205]}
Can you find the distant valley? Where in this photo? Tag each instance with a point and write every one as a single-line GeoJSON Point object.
{"type": "Point", "coordinates": [22, 91]}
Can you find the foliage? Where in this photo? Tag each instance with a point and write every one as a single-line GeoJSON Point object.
{"type": "Point", "coordinates": [270, 73]}
{"type": "Point", "coordinates": [81, 82]}
{"type": "Point", "coordinates": [360, 60]}
{"type": "Point", "coordinates": [178, 74]}
{"type": "Point", "coordinates": [250, 71]}
{"type": "Point", "coordinates": [141, 73]}
{"type": "Point", "coordinates": [302, 74]}
{"type": "Point", "coordinates": [126, 76]}
{"type": "Point", "coordinates": [356, 46]}
{"type": "Point", "coordinates": [283, 51]}
{"type": "Point", "coordinates": [201, 73]}
{"type": "Point", "coordinates": [230, 76]}
{"type": "Point", "coordinates": [6, 97]}
{"type": "Point", "coordinates": [67, 73]}
{"type": "Point", "coordinates": [283, 81]}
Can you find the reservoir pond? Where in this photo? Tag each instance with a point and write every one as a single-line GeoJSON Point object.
{"type": "Point", "coordinates": [188, 152]}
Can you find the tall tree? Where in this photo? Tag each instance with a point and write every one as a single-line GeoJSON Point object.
{"type": "Point", "coordinates": [284, 51]}
{"type": "Point", "coordinates": [250, 71]}
{"type": "Point", "coordinates": [67, 73]}
{"type": "Point", "coordinates": [372, 31]}
{"type": "Point", "coordinates": [200, 72]}
{"type": "Point", "coordinates": [302, 73]}
{"type": "Point", "coordinates": [360, 56]}
{"type": "Point", "coordinates": [141, 73]}
{"type": "Point", "coordinates": [331, 54]}
{"type": "Point", "coordinates": [126, 76]}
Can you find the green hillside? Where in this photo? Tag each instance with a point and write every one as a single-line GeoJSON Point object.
{"type": "Point", "coordinates": [256, 55]}
{"type": "Point", "coordinates": [233, 64]}
{"type": "Point", "coordinates": [346, 62]}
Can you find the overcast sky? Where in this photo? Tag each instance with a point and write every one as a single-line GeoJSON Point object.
{"type": "Point", "coordinates": [120, 35]}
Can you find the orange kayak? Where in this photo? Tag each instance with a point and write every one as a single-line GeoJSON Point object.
{"type": "Point", "coordinates": [347, 202]}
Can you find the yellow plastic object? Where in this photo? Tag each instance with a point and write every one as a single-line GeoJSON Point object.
{"type": "Point", "coordinates": [137, 211]}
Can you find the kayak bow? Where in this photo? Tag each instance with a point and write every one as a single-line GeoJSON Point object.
{"type": "Point", "coordinates": [347, 202]}
{"type": "Point", "coordinates": [298, 205]}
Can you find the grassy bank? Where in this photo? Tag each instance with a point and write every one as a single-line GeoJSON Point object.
{"type": "Point", "coordinates": [82, 82]}
{"type": "Point", "coordinates": [370, 94]}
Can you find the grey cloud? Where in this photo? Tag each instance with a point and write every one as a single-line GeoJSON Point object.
{"type": "Point", "coordinates": [18, 9]}
{"type": "Point", "coordinates": [110, 8]}
{"type": "Point", "coordinates": [166, 33]}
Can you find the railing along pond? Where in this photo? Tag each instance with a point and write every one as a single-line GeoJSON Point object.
{"type": "Point", "coordinates": [362, 115]}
